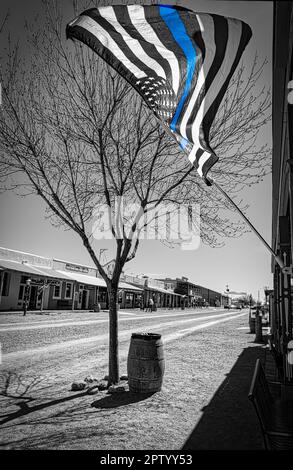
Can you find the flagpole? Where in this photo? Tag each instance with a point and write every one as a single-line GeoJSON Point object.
{"type": "Point", "coordinates": [247, 221]}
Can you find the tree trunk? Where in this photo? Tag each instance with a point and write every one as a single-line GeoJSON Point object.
{"type": "Point", "coordinates": [113, 336]}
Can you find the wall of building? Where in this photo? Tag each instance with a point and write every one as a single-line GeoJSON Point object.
{"type": "Point", "coordinates": [282, 183]}
{"type": "Point", "coordinates": [10, 302]}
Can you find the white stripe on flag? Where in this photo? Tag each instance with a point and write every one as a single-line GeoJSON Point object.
{"type": "Point", "coordinates": [109, 14]}
{"type": "Point", "coordinates": [234, 36]}
{"type": "Point", "coordinates": [192, 154]}
{"type": "Point", "coordinates": [203, 158]}
{"type": "Point", "coordinates": [104, 37]}
{"type": "Point", "coordinates": [206, 23]}
{"type": "Point", "coordinates": [136, 13]}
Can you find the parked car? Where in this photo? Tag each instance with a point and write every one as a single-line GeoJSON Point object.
{"type": "Point", "coordinates": [236, 306]}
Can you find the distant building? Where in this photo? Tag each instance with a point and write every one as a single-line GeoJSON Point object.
{"type": "Point", "coordinates": [195, 294]}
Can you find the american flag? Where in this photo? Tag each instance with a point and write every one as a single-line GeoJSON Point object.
{"type": "Point", "coordinates": [179, 61]}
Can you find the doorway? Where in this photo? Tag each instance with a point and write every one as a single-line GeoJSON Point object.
{"type": "Point", "coordinates": [33, 297]}
{"type": "Point", "coordinates": [84, 299]}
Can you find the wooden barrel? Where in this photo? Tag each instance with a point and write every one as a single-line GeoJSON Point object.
{"type": "Point", "coordinates": [145, 363]}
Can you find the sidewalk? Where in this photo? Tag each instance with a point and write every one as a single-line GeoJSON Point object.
{"type": "Point", "coordinates": [203, 403]}
{"type": "Point", "coordinates": [76, 311]}
{"type": "Point", "coordinates": [229, 422]}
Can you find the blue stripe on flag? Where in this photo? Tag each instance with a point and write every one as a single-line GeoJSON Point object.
{"type": "Point", "coordinates": [183, 143]}
{"type": "Point", "coordinates": [177, 28]}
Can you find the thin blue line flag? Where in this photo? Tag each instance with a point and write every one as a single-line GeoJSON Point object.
{"type": "Point", "coordinates": [179, 61]}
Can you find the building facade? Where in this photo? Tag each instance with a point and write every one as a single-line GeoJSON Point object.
{"type": "Point", "coordinates": [282, 184]}
{"type": "Point", "coordinates": [52, 284]}
{"type": "Point", "coordinates": [194, 294]}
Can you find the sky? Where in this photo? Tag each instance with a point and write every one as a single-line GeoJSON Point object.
{"type": "Point", "coordinates": [243, 263]}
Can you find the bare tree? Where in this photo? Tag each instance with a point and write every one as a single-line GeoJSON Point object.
{"type": "Point", "coordinates": [74, 133]}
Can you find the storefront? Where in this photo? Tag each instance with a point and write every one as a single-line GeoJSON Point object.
{"type": "Point", "coordinates": [163, 298]}
{"type": "Point", "coordinates": [55, 284]}
{"type": "Point", "coordinates": [129, 296]}
{"type": "Point", "coordinates": [90, 289]}
{"type": "Point", "coordinates": [20, 280]}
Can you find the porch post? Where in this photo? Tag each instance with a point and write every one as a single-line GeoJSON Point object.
{"type": "Point", "coordinates": [73, 296]}
{"type": "Point", "coordinates": [1, 284]}
{"type": "Point", "coordinates": [285, 288]}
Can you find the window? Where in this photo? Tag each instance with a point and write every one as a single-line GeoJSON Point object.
{"type": "Point", "coordinates": [5, 284]}
{"type": "Point", "coordinates": [128, 298]}
{"type": "Point", "coordinates": [68, 290]}
{"type": "Point", "coordinates": [102, 296]}
{"type": "Point", "coordinates": [57, 291]}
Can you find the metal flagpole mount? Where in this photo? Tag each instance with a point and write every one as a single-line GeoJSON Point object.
{"type": "Point", "coordinates": [287, 269]}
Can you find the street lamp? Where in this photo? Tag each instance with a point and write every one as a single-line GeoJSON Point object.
{"type": "Point", "coordinates": [227, 290]}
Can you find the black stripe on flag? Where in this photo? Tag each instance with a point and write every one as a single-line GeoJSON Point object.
{"type": "Point", "coordinates": [166, 37]}
{"type": "Point", "coordinates": [119, 39]}
{"type": "Point", "coordinates": [220, 39]}
{"type": "Point", "coordinates": [210, 115]}
{"type": "Point", "coordinates": [89, 39]}
{"type": "Point", "coordinates": [123, 17]}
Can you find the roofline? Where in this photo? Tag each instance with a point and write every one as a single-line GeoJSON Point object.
{"type": "Point", "coordinates": [45, 257]}
{"type": "Point", "coordinates": [25, 253]}
{"type": "Point", "coordinates": [188, 282]}
{"type": "Point", "coordinates": [73, 262]}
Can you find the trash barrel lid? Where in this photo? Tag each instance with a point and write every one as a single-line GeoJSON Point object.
{"type": "Point", "coordinates": [146, 336]}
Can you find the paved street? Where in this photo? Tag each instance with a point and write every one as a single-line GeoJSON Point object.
{"type": "Point", "coordinates": [209, 356]}
{"type": "Point", "coordinates": [51, 345]}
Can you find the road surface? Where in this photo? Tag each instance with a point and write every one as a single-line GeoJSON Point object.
{"type": "Point", "coordinates": [70, 345]}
